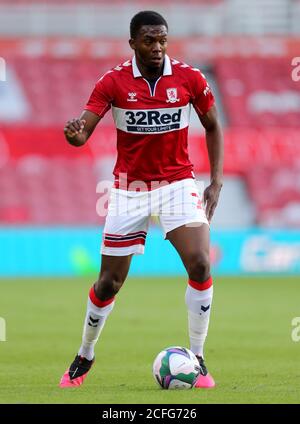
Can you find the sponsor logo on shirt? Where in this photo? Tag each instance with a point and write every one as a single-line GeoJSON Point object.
{"type": "Point", "coordinates": [151, 121]}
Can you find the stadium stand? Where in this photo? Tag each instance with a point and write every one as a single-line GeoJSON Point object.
{"type": "Point", "coordinates": [276, 194]}
{"type": "Point", "coordinates": [57, 88]}
{"type": "Point", "coordinates": [44, 191]}
{"type": "Point", "coordinates": [191, 17]}
{"type": "Point", "coordinates": [50, 78]}
{"type": "Point", "coordinates": [259, 92]}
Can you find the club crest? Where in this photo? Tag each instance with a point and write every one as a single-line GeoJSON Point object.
{"type": "Point", "coordinates": [172, 95]}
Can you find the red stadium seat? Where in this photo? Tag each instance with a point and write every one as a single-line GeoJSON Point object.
{"type": "Point", "coordinates": [57, 89]}
{"type": "Point", "coordinates": [58, 191]}
{"type": "Point", "coordinates": [259, 92]}
{"type": "Point", "coordinates": [276, 194]}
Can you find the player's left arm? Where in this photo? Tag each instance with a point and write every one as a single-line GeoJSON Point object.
{"type": "Point", "coordinates": [215, 148]}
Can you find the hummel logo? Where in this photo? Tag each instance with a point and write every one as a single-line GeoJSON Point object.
{"type": "Point", "coordinates": [132, 97]}
{"type": "Point", "coordinates": [206, 90]}
{"type": "Point", "coordinates": [93, 322]}
{"type": "Point", "coordinates": [205, 308]}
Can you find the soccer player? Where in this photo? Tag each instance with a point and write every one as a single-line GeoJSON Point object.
{"type": "Point", "coordinates": [150, 97]}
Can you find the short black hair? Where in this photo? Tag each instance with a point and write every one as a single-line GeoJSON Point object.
{"type": "Point", "coordinates": [146, 17]}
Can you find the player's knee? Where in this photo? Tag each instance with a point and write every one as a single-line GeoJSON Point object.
{"type": "Point", "coordinates": [108, 286]}
{"type": "Point", "coordinates": [199, 268]}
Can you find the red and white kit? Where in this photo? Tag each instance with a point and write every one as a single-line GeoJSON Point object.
{"type": "Point", "coordinates": [152, 140]}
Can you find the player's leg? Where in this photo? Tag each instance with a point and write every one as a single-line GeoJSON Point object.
{"type": "Point", "coordinates": [124, 235]}
{"type": "Point", "coordinates": [185, 225]}
{"type": "Point", "coordinates": [101, 300]}
{"type": "Point", "coordinates": [192, 244]}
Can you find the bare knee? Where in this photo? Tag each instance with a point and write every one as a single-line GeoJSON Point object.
{"type": "Point", "coordinates": [108, 285]}
{"type": "Point", "coordinates": [199, 268]}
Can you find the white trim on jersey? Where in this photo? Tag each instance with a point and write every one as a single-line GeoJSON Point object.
{"type": "Point", "coordinates": [167, 67]}
{"type": "Point", "coordinates": [152, 121]}
{"type": "Point", "coordinates": [152, 93]}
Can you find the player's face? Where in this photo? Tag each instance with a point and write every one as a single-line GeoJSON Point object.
{"type": "Point", "coordinates": [150, 45]}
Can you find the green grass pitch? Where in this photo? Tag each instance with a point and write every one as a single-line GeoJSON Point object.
{"type": "Point", "coordinates": [249, 350]}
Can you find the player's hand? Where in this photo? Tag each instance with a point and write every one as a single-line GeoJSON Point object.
{"type": "Point", "coordinates": [211, 197]}
{"type": "Point", "coordinates": [74, 127]}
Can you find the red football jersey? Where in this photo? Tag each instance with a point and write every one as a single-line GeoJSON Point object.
{"type": "Point", "coordinates": [152, 125]}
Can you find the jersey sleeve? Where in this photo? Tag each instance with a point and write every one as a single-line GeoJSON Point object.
{"type": "Point", "coordinates": [102, 96]}
{"type": "Point", "coordinates": [202, 96]}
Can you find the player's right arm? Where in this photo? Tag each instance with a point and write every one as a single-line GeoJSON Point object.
{"type": "Point", "coordinates": [78, 130]}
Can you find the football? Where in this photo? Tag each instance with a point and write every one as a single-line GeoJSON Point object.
{"type": "Point", "coordinates": [176, 367]}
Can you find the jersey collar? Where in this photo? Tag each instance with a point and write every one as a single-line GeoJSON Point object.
{"type": "Point", "coordinates": [167, 67]}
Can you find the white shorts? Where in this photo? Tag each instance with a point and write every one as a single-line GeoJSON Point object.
{"type": "Point", "coordinates": [129, 214]}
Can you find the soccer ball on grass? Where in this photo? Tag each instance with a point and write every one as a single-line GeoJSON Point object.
{"type": "Point", "coordinates": [176, 367]}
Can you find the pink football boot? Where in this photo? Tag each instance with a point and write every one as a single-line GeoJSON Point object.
{"type": "Point", "coordinates": [204, 380]}
{"type": "Point", "coordinates": [76, 374]}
